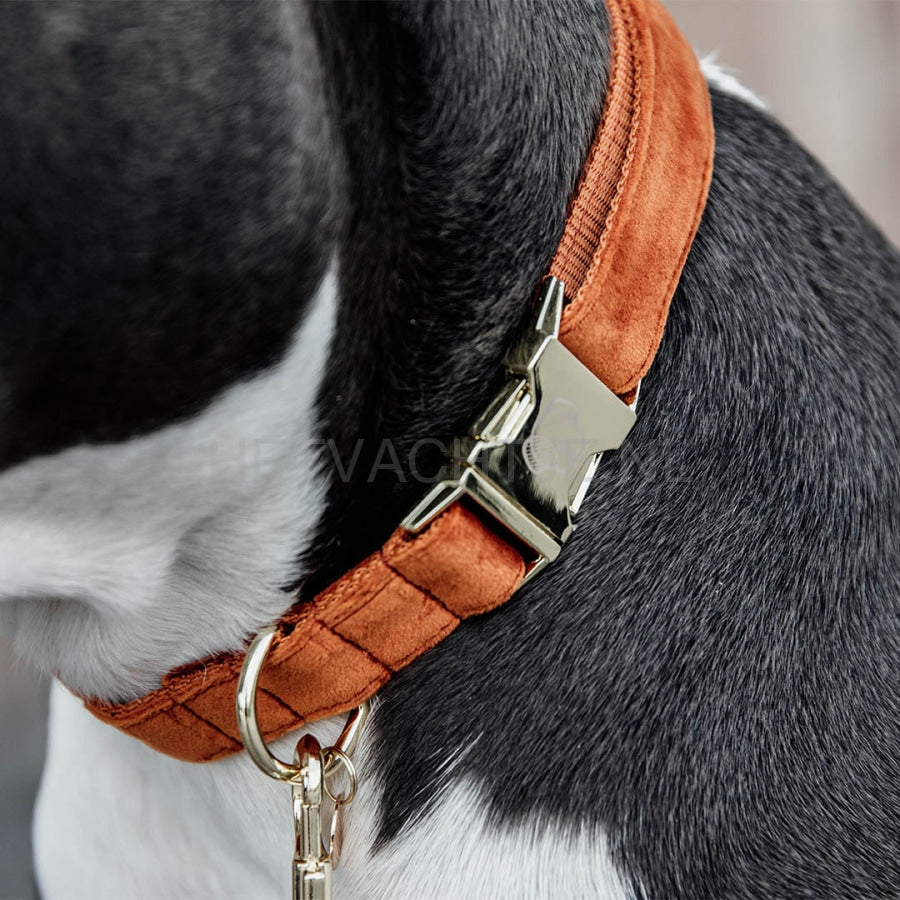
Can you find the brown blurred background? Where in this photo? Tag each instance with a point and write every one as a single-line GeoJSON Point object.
{"type": "Point", "coordinates": [829, 69]}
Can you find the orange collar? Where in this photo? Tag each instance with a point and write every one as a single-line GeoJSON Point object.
{"type": "Point", "coordinates": [627, 235]}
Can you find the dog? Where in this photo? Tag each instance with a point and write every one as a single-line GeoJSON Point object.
{"type": "Point", "coordinates": [252, 257]}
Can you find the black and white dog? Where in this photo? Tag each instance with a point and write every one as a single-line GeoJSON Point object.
{"type": "Point", "coordinates": [251, 256]}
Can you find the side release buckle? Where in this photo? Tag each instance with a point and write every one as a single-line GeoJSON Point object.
{"type": "Point", "coordinates": [529, 458]}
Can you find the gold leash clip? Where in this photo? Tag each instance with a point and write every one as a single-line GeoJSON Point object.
{"type": "Point", "coordinates": [312, 865]}
{"type": "Point", "coordinates": [308, 776]}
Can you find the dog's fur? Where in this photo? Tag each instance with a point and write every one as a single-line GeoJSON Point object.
{"type": "Point", "coordinates": [699, 700]}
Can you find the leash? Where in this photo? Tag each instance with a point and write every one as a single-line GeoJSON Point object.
{"type": "Point", "coordinates": [504, 505]}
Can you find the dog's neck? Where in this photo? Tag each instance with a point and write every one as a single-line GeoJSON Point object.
{"type": "Point", "coordinates": [459, 188]}
{"type": "Point", "coordinates": [127, 559]}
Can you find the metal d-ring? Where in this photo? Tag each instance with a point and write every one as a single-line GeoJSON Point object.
{"type": "Point", "coordinates": [248, 723]}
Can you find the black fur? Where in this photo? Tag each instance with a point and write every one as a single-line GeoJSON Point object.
{"type": "Point", "coordinates": [715, 658]}
{"type": "Point", "coordinates": [464, 129]}
{"type": "Point", "coordinates": [162, 224]}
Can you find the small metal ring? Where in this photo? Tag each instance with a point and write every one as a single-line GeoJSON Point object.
{"type": "Point", "coordinates": [248, 724]}
{"type": "Point", "coordinates": [331, 756]}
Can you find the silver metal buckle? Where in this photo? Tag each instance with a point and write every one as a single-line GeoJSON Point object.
{"type": "Point", "coordinates": [529, 458]}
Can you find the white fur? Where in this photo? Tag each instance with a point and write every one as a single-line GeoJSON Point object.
{"type": "Point", "coordinates": [455, 851]}
{"type": "Point", "coordinates": [118, 562]}
{"type": "Point", "coordinates": [727, 81]}
{"type": "Point", "coordinates": [117, 820]}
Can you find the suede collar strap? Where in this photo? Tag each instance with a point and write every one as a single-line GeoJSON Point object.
{"type": "Point", "coordinates": [627, 235]}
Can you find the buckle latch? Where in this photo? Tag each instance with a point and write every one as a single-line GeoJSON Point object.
{"type": "Point", "coordinates": [529, 458]}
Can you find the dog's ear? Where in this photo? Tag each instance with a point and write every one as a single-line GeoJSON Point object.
{"type": "Point", "coordinates": [167, 173]}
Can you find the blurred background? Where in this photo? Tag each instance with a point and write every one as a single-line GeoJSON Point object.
{"type": "Point", "coordinates": [829, 69]}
